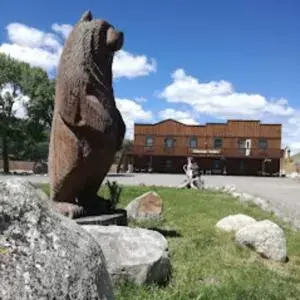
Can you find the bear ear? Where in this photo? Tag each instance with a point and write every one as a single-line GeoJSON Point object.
{"type": "Point", "coordinates": [87, 16]}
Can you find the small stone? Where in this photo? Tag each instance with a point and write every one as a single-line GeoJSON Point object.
{"type": "Point", "coordinates": [145, 207]}
{"type": "Point", "coordinates": [234, 222]}
{"type": "Point", "coordinates": [266, 237]}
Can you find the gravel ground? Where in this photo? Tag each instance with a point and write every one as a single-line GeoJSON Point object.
{"type": "Point", "coordinates": [283, 194]}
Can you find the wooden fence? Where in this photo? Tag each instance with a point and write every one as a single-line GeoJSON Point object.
{"type": "Point", "coordinates": [16, 165]}
{"type": "Point", "coordinates": [19, 165]}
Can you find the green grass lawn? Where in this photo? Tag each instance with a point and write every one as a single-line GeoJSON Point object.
{"type": "Point", "coordinates": [206, 263]}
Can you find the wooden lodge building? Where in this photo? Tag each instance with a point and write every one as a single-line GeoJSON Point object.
{"type": "Point", "coordinates": [235, 148]}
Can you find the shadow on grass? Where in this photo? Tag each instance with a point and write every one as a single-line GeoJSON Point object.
{"type": "Point", "coordinates": [166, 232]}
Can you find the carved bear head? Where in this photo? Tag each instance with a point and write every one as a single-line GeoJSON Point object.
{"type": "Point", "coordinates": [106, 36]}
{"type": "Point", "coordinates": [96, 38]}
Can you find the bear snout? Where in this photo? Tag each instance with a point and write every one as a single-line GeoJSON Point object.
{"type": "Point", "coordinates": [114, 39]}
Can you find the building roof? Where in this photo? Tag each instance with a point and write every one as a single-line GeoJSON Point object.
{"type": "Point", "coordinates": [209, 123]}
{"type": "Point", "coordinates": [163, 121]}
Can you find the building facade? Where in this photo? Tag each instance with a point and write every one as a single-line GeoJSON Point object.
{"type": "Point", "coordinates": [237, 147]}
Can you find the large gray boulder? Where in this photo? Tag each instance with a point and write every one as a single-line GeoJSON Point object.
{"type": "Point", "coordinates": [148, 206]}
{"type": "Point", "coordinates": [133, 255]}
{"type": "Point", "coordinates": [45, 255]}
{"type": "Point", "coordinates": [234, 222]}
{"type": "Point", "coordinates": [266, 238]}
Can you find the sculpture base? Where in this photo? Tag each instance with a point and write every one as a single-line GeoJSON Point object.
{"type": "Point", "coordinates": [118, 217]}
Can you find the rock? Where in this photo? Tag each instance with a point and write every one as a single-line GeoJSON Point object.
{"type": "Point", "coordinates": [236, 195]}
{"type": "Point", "coordinates": [145, 207]}
{"type": "Point", "coordinates": [245, 197]}
{"type": "Point", "coordinates": [133, 255]}
{"type": "Point", "coordinates": [262, 203]}
{"type": "Point", "coordinates": [234, 222]}
{"type": "Point", "coordinates": [229, 188]}
{"type": "Point", "coordinates": [293, 175]}
{"type": "Point", "coordinates": [45, 255]}
{"type": "Point", "coordinates": [266, 237]}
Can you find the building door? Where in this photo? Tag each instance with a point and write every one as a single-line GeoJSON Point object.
{"type": "Point", "coordinates": [217, 166]}
{"type": "Point", "coordinates": [169, 165]}
{"type": "Point", "coordinates": [223, 165]}
{"type": "Point", "coordinates": [242, 167]}
{"type": "Point", "coordinates": [150, 165]}
{"type": "Point", "coordinates": [266, 167]}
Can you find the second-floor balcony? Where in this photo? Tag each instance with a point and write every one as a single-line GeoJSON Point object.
{"type": "Point", "coordinates": [203, 152]}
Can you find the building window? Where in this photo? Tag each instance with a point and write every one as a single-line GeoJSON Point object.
{"type": "Point", "coordinates": [169, 142]}
{"type": "Point", "coordinates": [192, 142]}
{"type": "Point", "coordinates": [218, 143]}
{"type": "Point", "coordinates": [242, 143]}
{"type": "Point", "coordinates": [262, 144]}
{"type": "Point", "coordinates": [149, 141]}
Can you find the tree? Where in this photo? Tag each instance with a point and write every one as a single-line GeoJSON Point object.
{"type": "Point", "coordinates": [19, 81]}
{"type": "Point", "coordinates": [10, 78]}
{"type": "Point", "coordinates": [41, 91]}
{"type": "Point", "coordinates": [33, 144]}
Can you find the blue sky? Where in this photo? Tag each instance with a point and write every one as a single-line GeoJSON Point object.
{"type": "Point", "coordinates": [196, 61]}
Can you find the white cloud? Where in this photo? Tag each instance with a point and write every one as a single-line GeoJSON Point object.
{"type": "Point", "coordinates": [37, 57]}
{"type": "Point", "coordinates": [295, 120]}
{"type": "Point", "coordinates": [140, 99]}
{"type": "Point", "coordinates": [43, 49]}
{"type": "Point", "coordinates": [63, 29]}
{"type": "Point", "coordinates": [129, 65]}
{"type": "Point", "coordinates": [23, 35]}
{"type": "Point", "coordinates": [33, 46]}
{"type": "Point", "coordinates": [18, 108]}
{"type": "Point", "coordinates": [132, 112]}
{"type": "Point", "coordinates": [181, 116]}
{"type": "Point", "coordinates": [291, 132]}
{"type": "Point", "coordinates": [219, 99]}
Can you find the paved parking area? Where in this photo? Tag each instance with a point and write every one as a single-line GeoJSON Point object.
{"type": "Point", "coordinates": [283, 194]}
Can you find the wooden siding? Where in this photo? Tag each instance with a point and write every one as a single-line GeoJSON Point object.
{"type": "Point", "coordinates": [185, 151]}
{"type": "Point", "coordinates": [230, 133]}
{"type": "Point", "coordinates": [245, 129]}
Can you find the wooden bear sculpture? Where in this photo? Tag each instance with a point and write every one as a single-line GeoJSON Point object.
{"type": "Point", "coordinates": [87, 128]}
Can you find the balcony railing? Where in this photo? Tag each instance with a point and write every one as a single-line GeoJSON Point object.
{"type": "Point", "coordinates": [202, 152]}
